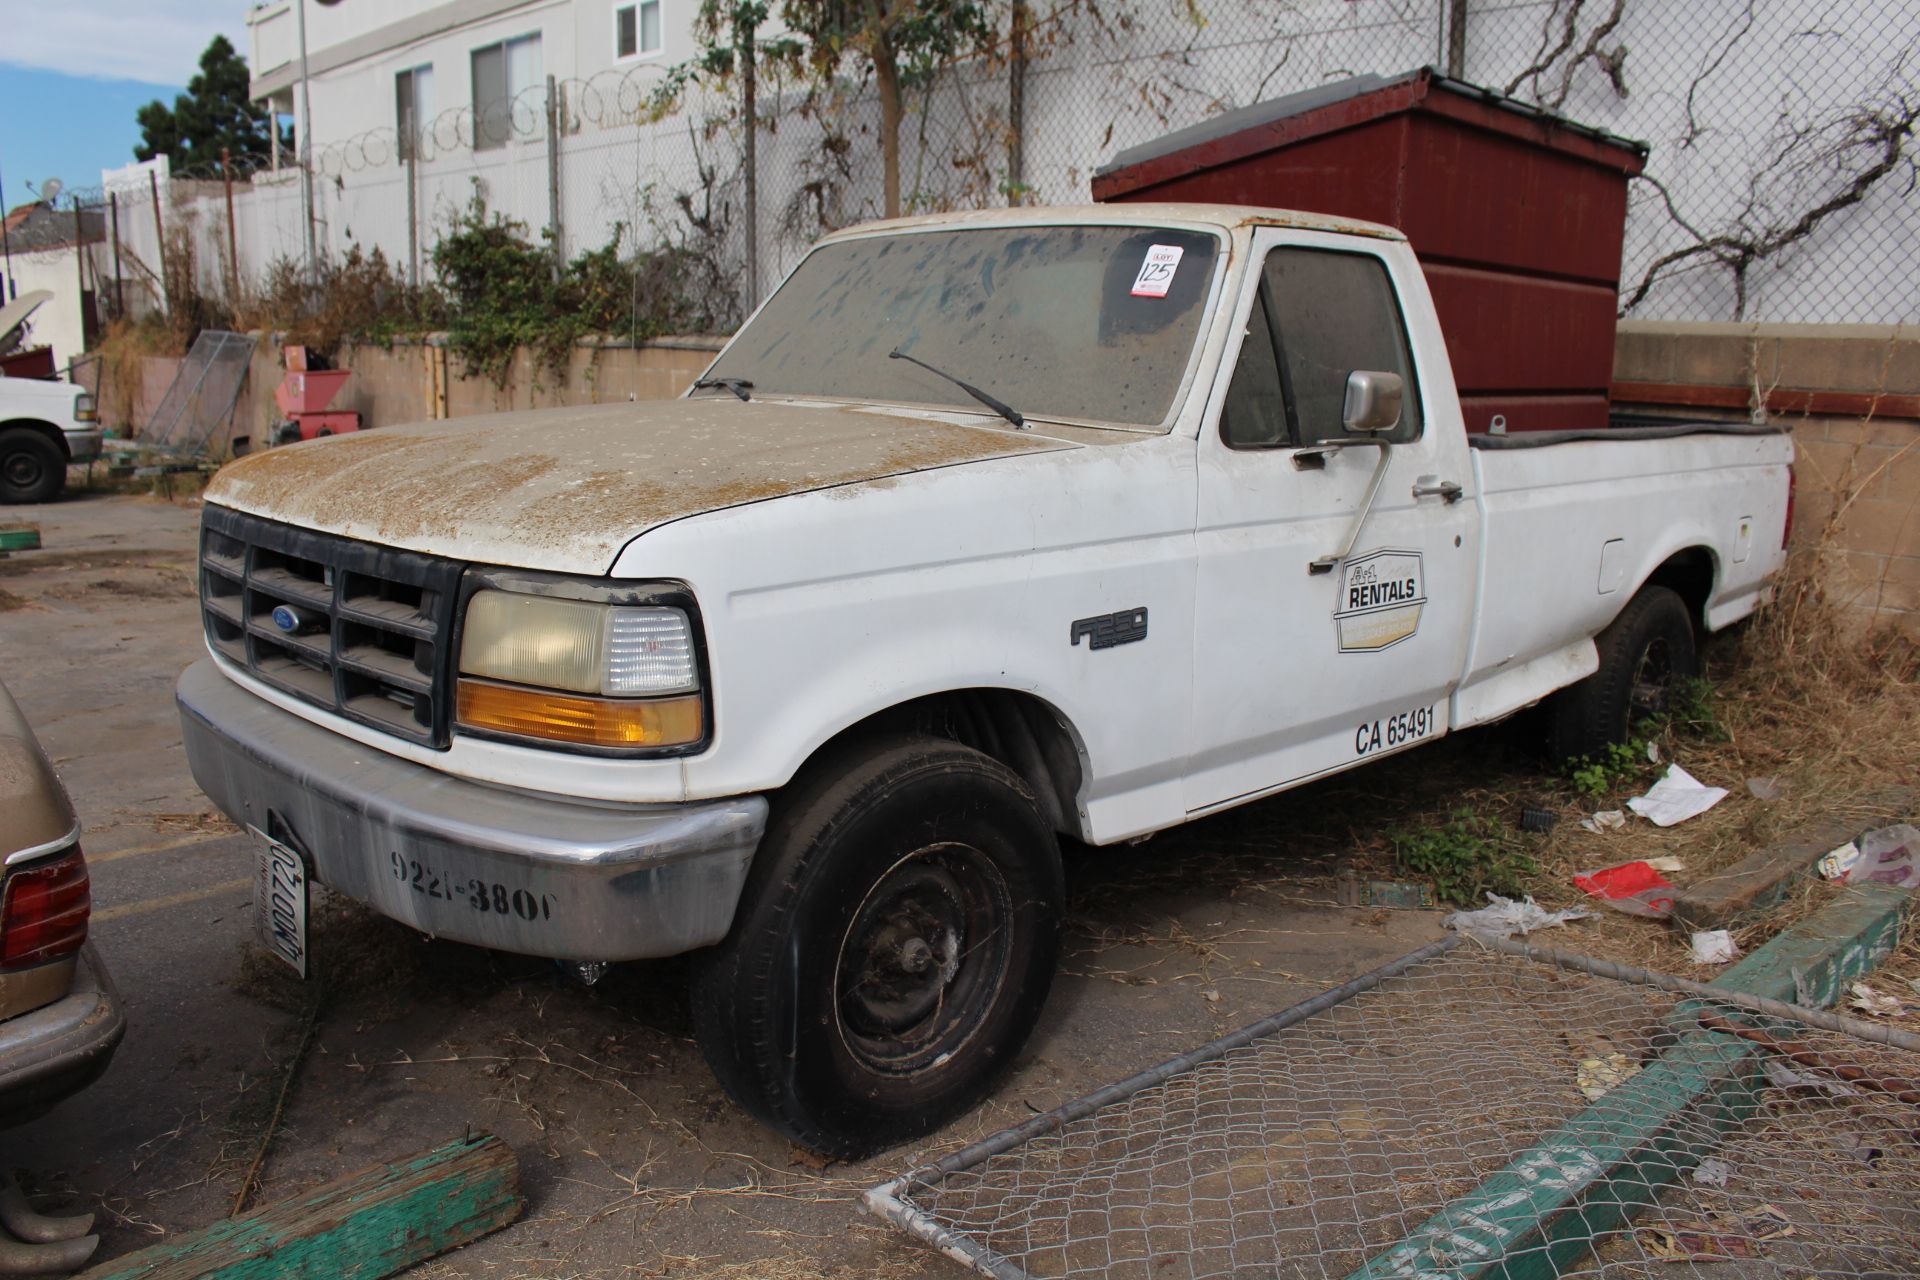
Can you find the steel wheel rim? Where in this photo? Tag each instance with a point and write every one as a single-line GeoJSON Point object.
{"type": "Point", "coordinates": [1652, 677]}
{"type": "Point", "coordinates": [924, 957]}
{"type": "Point", "coordinates": [23, 470]}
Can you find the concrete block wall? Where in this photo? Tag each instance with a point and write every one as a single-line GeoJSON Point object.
{"type": "Point", "coordinates": [1851, 394]}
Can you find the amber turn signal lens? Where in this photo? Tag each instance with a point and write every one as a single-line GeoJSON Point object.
{"type": "Point", "coordinates": [587, 722]}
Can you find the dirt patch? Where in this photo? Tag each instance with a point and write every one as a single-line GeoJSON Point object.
{"type": "Point", "coordinates": [210, 825]}
{"type": "Point", "coordinates": [9, 602]}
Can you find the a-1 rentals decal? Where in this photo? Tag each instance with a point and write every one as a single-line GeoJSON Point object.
{"type": "Point", "coordinates": [1381, 596]}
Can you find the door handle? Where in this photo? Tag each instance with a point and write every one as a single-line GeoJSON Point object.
{"type": "Point", "coordinates": [1435, 487]}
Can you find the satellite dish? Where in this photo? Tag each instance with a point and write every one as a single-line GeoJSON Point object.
{"type": "Point", "coordinates": [50, 189]}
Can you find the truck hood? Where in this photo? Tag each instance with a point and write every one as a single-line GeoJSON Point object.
{"type": "Point", "coordinates": [566, 489]}
{"type": "Point", "coordinates": [18, 393]}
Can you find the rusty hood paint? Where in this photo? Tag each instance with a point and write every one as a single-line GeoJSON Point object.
{"type": "Point", "coordinates": [566, 489]}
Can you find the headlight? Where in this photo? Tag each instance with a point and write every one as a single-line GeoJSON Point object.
{"type": "Point", "coordinates": [84, 409]}
{"type": "Point", "coordinates": [525, 659]}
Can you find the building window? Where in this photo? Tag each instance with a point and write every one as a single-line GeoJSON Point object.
{"type": "Point", "coordinates": [503, 75]}
{"type": "Point", "coordinates": [636, 29]}
{"type": "Point", "coordinates": [413, 108]}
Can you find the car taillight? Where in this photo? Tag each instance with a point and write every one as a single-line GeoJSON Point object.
{"type": "Point", "coordinates": [1787, 532]}
{"type": "Point", "coordinates": [45, 912]}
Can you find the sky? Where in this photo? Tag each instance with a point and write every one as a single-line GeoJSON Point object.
{"type": "Point", "coordinates": [74, 72]}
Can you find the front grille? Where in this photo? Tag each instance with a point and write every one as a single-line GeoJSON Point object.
{"type": "Point", "coordinates": [373, 627]}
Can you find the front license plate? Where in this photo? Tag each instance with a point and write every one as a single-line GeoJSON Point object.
{"type": "Point", "coordinates": [280, 902]}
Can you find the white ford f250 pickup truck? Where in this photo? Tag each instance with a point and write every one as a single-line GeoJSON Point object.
{"type": "Point", "coordinates": [986, 529]}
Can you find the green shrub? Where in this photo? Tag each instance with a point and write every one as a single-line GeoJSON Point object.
{"type": "Point", "coordinates": [1466, 857]}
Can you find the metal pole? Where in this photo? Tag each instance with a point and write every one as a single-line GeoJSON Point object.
{"type": "Point", "coordinates": [80, 269]}
{"type": "Point", "coordinates": [413, 221]}
{"type": "Point", "coordinates": [160, 231]}
{"type": "Point", "coordinates": [233, 243]}
{"type": "Point", "coordinates": [1457, 39]}
{"type": "Point", "coordinates": [744, 37]}
{"type": "Point", "coordinates": [119, 289]}
{"type": "Point", "coordinates": [553, 176]}
{"type": "Point", "coordinates": [8, 290]}
{"type": "Point", "coordinates": [306, 137]}
{"type": "Point", "coordinates": [1017, 105]}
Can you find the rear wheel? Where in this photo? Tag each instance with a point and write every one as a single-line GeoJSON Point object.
{"type": "Point", "coordinates": [1644, 654]}
{"type": "Point", "coordinates": [32, 467]}
{"type": "Point", "coordinates": [892, 952]}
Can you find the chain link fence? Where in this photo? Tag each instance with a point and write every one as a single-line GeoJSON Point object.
{"type": "Point", "coordinates": [1781, 184]}
{"type": "Point", "coordinates": [1464, 1113]}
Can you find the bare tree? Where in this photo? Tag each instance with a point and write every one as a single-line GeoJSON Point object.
{"type": "Point", "coordinates": [1809, 173]}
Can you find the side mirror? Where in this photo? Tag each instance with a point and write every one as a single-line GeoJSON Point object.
{"type": "Point", "coordinates": [1373, 401]}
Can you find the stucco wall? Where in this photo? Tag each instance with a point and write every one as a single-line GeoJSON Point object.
{"type": "Point", "coordinates": [1851, 394]}
{"type": "Point", "coordinates": [56, 322]}
{"type": "Point", "coordinates": [395, 385]}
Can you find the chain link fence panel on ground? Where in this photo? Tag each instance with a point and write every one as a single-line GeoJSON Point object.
{"type": "Point", "coordinates": [1464, 1113]}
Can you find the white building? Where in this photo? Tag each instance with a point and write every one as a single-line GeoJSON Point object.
{"type": "Point", "coordinates": [401, 63]}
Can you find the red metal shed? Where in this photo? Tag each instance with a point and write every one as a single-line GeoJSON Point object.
{"type": "Point", "coordinates": [1517, 216]}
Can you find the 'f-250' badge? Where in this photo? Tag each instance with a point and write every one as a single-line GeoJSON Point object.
{"type": "Point", "coordinates": [1110, 629]}
{"type": "Point", "coordinates": [1381, 596]}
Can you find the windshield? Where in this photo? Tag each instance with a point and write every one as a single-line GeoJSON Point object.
{"type": "Point", "coordinates": [1078, 322]}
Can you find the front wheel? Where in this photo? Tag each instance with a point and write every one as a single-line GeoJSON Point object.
{"type": "Point", "coordinates": [32, 468]}
{"type": "Point", "coordinates": [892, 951]}
{"type": "Point", "coordinates": [1644, 654]}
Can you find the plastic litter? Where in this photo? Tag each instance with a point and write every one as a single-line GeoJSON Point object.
{"type": "Point", "coordinates": [1766, 788]}
{"type": "Point", "coordinates": [1504, 917]}
{"type": "Point", "coordinates": [1599, 1076]}
{"type": "Point", "coordinates": [1878, 1003]}
{"type": "Point", "coordinates": [1605, 820]}
{"type": "Point", "coordinates": [1713, 946]}
{"type": "Point", "coordinates": [1666, 865]}
{"type": "Point", "coordinates": [1712, 1172]}
{"type": "Point", "coordinates": [1653, 753]}
{"type": "Point", "coordinates": [1675, 798]}
{"type": "Point", "coordinates": [1632, 887]}
{"type": "Point", "coordinates": [1538, 820]}
{"type": "Point", "coordinates": [1835, 863]}
{"type": "Point", "coordinates": [1782, 1076]}
{"type": "Point", "coordinates": [1890, 855]}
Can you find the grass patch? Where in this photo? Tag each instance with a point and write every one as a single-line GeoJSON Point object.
{"type": "Point", "coordinates": [1467, 856]}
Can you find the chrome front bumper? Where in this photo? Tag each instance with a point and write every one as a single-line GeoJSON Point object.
{"type": "Point", "coordinates": [83, 446]}
{"type": "Point", "coordinates": [537, 874]}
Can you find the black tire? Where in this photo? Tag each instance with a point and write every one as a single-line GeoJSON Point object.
{"type": "Point", "coordinates": [892, 950]}
{"type": "Point", "coordinates": [1643, 653]}
{"type": "Point", "coordinates": [32, 467]}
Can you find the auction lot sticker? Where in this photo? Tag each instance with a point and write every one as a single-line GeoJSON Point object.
{"type": "Point", "coordinates": [1156, 273]}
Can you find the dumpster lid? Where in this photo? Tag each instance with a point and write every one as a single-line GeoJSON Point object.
{"type": "Point", "coordinates": [1309, 113]}
{"type": "Point", "coordinates": [15, 313]}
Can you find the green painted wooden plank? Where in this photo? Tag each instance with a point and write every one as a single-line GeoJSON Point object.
{"type": "Point", "coordinates": [1812, 962]}
{"type": "Point", "coordinates": [19, 539]}
{"type": "Point", "coordinates": [1589, 1176]}
{"type": "Point", "coordinates": [363, 1226]}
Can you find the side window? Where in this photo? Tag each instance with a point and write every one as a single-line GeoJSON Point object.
{"type": "Point", "coordinates": [1255, 413]}
{"type": "Point", "coordinates": [1334, 313]}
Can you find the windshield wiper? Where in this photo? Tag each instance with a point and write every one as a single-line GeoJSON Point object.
{"type": "Point", "coordinates": [998, 406]}
{"type": "Point", "coordinates": [736, 385]}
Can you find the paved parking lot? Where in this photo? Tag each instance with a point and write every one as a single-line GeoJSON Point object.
{"type": "Point", "coordinates": [633, 1161]}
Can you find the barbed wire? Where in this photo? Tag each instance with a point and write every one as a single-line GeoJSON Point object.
{"type": "Point", "coordinates": [1781, 182]}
